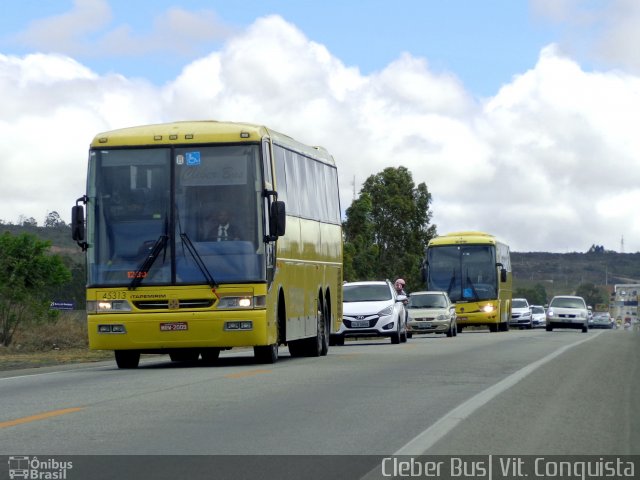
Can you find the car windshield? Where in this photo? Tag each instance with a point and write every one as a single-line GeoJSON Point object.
{"type": "Point", "coordinates": [519, 303]}
{"type": "Point", "coordinates": [366, 293]}
{"type": "Point", "coordinates": [537, 310]}
{"type": "Point", "coordinates": [427, 301]}
{"type": "Point", "coordinates": [567, 302]}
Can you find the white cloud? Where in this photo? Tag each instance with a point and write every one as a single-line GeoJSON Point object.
{"type": "Point", "coordinates": [542, 164]}
{"type": "Point", "coordinates": [86, 30]}
{"type": "Point", "coordinates": [607, 32]}
{"type": "Point", "coordinates": [65, 33]}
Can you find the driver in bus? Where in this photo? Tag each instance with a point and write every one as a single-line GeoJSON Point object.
{"type": "Point", "coordinates": [219, 227]}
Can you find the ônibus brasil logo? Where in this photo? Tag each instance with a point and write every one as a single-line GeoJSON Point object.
{"type": "Point", "coordinates": [22, 466]}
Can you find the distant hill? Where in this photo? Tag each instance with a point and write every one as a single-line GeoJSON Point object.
{"type": "Point", "coordinates": [561, 273]}
{"type": "Point", "coordinates": [59, 236]}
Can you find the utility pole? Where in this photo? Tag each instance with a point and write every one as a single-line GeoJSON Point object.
{"type": "Point", "coordinates": [354, 187]}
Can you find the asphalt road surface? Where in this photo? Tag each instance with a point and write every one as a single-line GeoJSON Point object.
{"type": "Point", "coordinates": [524, 392]}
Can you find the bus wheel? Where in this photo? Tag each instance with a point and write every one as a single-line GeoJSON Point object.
{"type": "Point", "coordinates": [326, 331]}
{"type": "Point", "coordinates": [127, 358]}
{"type": "Point", "coordinates": [210, 355]}
{"type": "Point", "coordinates": [493, 328]}
{"type": "Point", "coordinates": [266, 353]}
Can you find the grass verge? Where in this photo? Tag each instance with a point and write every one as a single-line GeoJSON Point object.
{"type": "Point", "coordinates": [54, 343]}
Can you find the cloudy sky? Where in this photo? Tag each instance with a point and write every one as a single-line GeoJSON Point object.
{"type": "Point", "coordinates": [522, 117]}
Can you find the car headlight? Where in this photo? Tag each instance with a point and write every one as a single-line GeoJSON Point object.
{"type": "Point", "coordinates": [442, 317]}
{"type": "Point", "coordinates": [385, 312]}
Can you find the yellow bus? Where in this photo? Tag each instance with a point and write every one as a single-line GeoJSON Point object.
{"type": "Point", "coordinates": [203, 236]}
{"type": "Point", "coordinates": [475, 270]}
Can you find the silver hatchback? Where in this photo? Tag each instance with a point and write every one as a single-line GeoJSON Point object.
{"type": "Point", "coordinates": [566, 311]}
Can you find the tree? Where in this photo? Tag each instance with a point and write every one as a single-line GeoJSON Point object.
{"type": "Point", "coordinates": [536, 295]}
{"type": "Point", "coordinates": [591, 294]}
{"type": "Point", "coordinates": [27, 222]}
{"type": "Point", "coordinates": [53, 220]}
{"type": "Point", "coordinates": [27, 272]}
{"type": "Point", "coordinates": [387, 228]}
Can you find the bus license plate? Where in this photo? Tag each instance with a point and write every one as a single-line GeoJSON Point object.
{"type": "Point", "coordinates": [357, 324]}
{"type": "Point", "coordinates": [173, 326]}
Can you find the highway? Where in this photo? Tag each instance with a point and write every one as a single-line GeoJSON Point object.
{"type": "Point", "coordinates": [522, 392]}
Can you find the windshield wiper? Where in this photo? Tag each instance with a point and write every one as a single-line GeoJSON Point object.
{"type": "Point", "coordinates": [198, 259]}
{"type": "Point", "coordinates": [142, 271]}
{"type": "Point", "coordinates": [473, 288]}
{"type": "Point", "coordinates": [452, 281]}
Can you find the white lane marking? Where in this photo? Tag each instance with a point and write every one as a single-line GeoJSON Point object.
{"type": "Point", "coordinates": [425, 440]}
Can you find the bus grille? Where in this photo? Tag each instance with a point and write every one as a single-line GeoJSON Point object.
{"type": "Point", "coordinates": [164, 304]}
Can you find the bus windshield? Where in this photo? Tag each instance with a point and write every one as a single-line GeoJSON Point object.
{"type": "Point", "coordinates": [467, 273]}
{"type": "Point", "coordinates": [197, 211]}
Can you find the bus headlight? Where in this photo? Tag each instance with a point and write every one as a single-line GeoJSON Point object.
{"type": "Point", "coordinates": [108, 306]}
{"type": "Point", "coordinates": [488, 308]}
{"type": "Point", "coordinates": [238, 325]}
{"type": "Point", "coordinates": [112, 329]}
{"type": "Point", "coordinates": [244, 302]}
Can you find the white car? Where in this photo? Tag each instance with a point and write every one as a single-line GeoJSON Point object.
{"type": "Point", "coordinates": [538, 316]}
{"type": "Point", "coordinates": [520, 313]}
{"type": "Point", "coordinates": [566, 311]}
{"type": "Point", "coordinates": [372, 309]}
{"type": "Point", "coordinates": [431, 312]}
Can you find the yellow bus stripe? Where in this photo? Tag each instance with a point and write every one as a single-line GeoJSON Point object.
{"type": "Point", "coordinates": [39, 416]}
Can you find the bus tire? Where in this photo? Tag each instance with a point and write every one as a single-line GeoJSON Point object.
{"type": "Point", "coordinates": [493, 327]}
{"type": "Point", "coordinates": [266, 353]}
{"type": "Point", "coordinates": [326, 331]}
{"type": "Point", "coordinates": [127, 358]}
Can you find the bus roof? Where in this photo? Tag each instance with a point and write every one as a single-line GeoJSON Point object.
{"type": "Point", "coordinates": [470, 237]}
{"type": "Point", "coordinates": [202, 132]}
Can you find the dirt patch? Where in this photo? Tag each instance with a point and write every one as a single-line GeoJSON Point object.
{"type": "Point", "coordinates": [10, 360]}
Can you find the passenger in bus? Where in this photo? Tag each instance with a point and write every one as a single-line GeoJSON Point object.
{"type": "Point", "coordinates": [219, 227]}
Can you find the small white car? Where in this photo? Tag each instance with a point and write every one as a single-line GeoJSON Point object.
{"type": "Point", "coordinates": [538, 316]}
{"type": "Point", "coordinates": [567, 311]}
{"type": "Point", "coordinates": [431, 312]}
{"type": "Point", "coordinates": [520, 313]}
{"type": "Point", "coordinates": [371, 309]}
